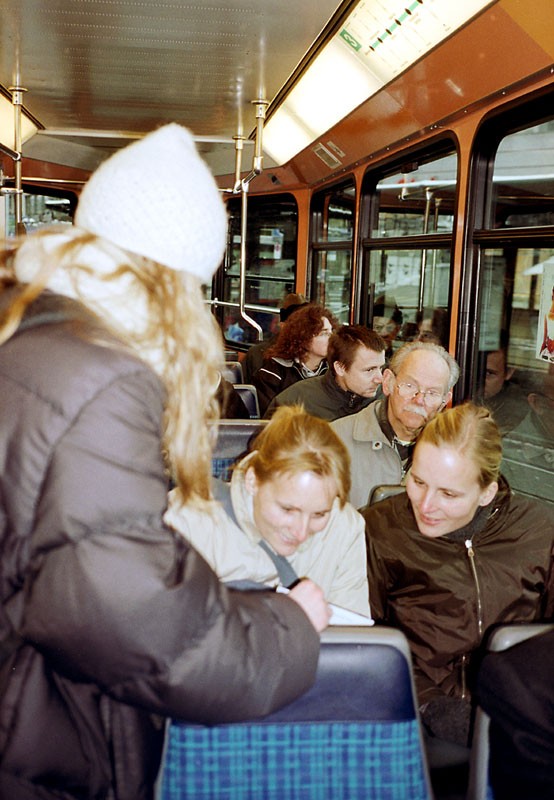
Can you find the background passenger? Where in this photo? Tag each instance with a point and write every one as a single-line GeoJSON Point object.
{"type": "Point", "coordinates": [455, 555]}
{"type": "Point", "coordinates": [387, 322]}
{"type": "Point", "coordinates": [356, 358]}
{"type": "Point", "coordinates": [416, 386]}
{"type": "Point", "coordinates": [298, 353]}
{"type": "Point", "coordinates": [255, 354]}
{"type": "Point", "coordinates": [109, 622]}
{"type": "Point", "coordinates": [501, 394]}
{"type": "Point", "coordinates": [434, 328]}
{"type": "Point", "coordinates": [291, 493]}
{"type": "Point", "coordinates": [529, 448]}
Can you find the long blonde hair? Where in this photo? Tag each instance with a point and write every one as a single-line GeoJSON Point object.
{"type": "Point", "coordinates": [179, 338]}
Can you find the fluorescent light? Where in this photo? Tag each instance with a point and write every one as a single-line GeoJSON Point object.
{"type": "Point", "coordinates": [378, 41]}
{"type": "Point", "coordinates": [287, 134]}
{"type": "Point", "coordinates": [332, 87]}
{"type": "Point", "coordinates": [7, 124]}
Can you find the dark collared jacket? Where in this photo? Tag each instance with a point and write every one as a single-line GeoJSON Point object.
{"type": "Point", "coordinates": [444, 593]}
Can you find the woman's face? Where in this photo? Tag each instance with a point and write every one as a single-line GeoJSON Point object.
{"type": "Point", "coordinates": [290, 507]}
{"type": "Point", "coordinates": [320, 344]}
{"type": "Point", "coordinates": [443, 489]}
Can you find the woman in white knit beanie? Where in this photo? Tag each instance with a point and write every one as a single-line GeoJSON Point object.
{"type": "Point", "coordinates": [109, 622]}
{"type": "Point", "coordinates": [150, 228]}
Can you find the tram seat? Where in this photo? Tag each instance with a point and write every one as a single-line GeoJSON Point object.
{"type": "Point", "coordinates": [355, 734]}
{"type": "Point", "coordinates": [233, 439]}
{"type": "Point", "coordinates": [383, 491]}
{"type": "Point", "coordinates": [502, 638]}
{"type": "Point", "coordinates": [249, 396]}
{"type": "Point", "coordinates": [232, 371]}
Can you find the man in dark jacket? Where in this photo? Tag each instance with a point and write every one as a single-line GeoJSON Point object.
{"type": "Point", "coordinates": [110, 622]}
{"type": "Point", "coordinates": [356, 358]}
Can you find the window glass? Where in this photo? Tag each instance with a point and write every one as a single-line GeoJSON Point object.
{"type": "Point", "coordinates": [37, 210]}
{"type": "Point", "coordinates": [516, 355]}
{"type": "Point", "coordinates": [523, 180]}
{"type": "Point", "coordinates": [332, 242]}
{"type": "Point", "coordinates": [333, 283]}
{"type": "Point", "coordinates": [270, 264]}
{"type": "Point", "coordinates": [418, 199]}
{"type": "Point", "coordinates": [335, 217]}
{"type": "Point", "coordinates": [410, 292]}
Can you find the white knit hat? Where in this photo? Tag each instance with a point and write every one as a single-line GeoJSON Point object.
{"type": "Point", "coordinates": [158, 199]}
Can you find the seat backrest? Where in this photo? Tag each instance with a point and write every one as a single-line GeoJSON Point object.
{"type": "Point", "coordinates": [249, 396]}
{"type": "Point", "coordinates": [233, 439]}
{"type": "Point", "coordinates": [383, 491]}
{"type": "Point", "coordinates": [502, 638]}
{"type": "Point", "coordinates": [232, 371]}
{"type": "Point", "coordinates": [355, 734]}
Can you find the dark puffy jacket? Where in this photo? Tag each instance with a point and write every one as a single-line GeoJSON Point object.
{"type": "Point", "coordinates": [444, 593]}
{"type": "Point", "coordinates": [321, 396]}
{"type": "Point", "coordinates": [108, 622]}
{"type": "Point", "coordinates": [277, 374]}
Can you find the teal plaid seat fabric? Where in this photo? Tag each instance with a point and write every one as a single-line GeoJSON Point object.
{"type": "Point", "coordinates": [354, 735]}
{"type": "Point", "coordinates": [222, 468]}
{"type": "Point", "coordinates": [295, 761]}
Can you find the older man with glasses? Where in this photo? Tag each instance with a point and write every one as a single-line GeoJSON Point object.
{"type": "Point", "coordinates": [416, 386]}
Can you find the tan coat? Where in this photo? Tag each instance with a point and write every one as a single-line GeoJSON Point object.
{"type": "Point", "coordinates": [373, 461]}
{"type": "Point", "coordinates": [334, 558]}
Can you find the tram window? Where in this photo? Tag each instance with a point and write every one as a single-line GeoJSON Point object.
{"type": "Point", "coordinates": [516, 353]}
{"type": "Point", "coordinates": [406, 283]}
{"type": "Point", "coordinates": [271, 246]}
{"type": "Point", "coordinates": [523, 180]}
{"type": "Point", "coordinates": [514, 373]}
{"type": "Point", "coordinates": [332, 214]}
{"type": "Point", "coordinates": [37, 210]}
{"type": "Point", "coordinates": [332, 288]}
{"type": "Point", "coordinates": [419, 199]}
{"type": "Point", "coordinates": [410, 290]}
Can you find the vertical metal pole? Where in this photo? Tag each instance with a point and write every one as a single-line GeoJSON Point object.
{"type": "Point", "coordinates": [257, 161]}
{"type": "Point", "coordinates": [17, 102]}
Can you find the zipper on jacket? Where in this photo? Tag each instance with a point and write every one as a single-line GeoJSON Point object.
{"type": "Point", "coordinates": [471, 555]}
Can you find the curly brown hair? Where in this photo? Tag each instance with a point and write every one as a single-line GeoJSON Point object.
{"type": "Point", "coordinates": [297, 332]}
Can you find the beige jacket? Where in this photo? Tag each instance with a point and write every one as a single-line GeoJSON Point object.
{"type": "Point", "coordinates": [334, 558]}
{"type": "Point", "coordinates": [373, 461]}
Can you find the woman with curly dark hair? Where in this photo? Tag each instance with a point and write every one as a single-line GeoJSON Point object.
{"type": "Point", "coordinates": [299, 352]}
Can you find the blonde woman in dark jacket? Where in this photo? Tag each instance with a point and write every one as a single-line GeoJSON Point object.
{"type": "Point", "coordinates": [454, 555]}
{"type": "Point", "coordinates": [109, 622]}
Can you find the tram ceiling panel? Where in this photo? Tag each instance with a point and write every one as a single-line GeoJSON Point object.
{"type": "Point", "coordinates": [99, 73]}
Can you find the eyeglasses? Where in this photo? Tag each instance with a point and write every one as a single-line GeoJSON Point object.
{"type": "Point", "coordinates": [409, 390]}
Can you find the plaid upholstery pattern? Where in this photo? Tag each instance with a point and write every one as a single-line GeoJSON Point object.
{"type": "Point", "coordinates": [295, 761]}
{"type": "Point", "coordinates": [222, 467]}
